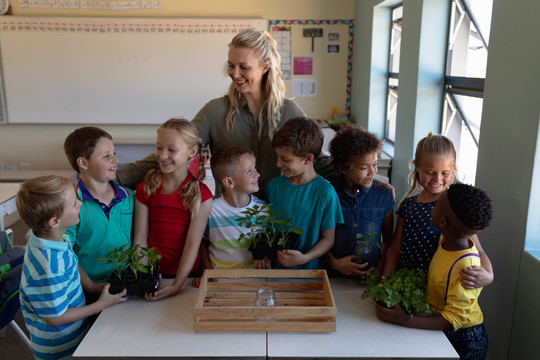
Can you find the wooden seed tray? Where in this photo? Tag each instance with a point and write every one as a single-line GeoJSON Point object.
{"type": "Point", "coordinates": [225, 301]}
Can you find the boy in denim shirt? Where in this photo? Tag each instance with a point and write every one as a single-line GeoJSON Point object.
{"type": "Point", "coordinates": [367, 207]}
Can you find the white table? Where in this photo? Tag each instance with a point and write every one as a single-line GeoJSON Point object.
{"type": "Point", "coordinates": [8, 191]}
{"type": "Point", "coordinates": [360, 335]}
{"type": "Point", "coordinates": [165, 329]}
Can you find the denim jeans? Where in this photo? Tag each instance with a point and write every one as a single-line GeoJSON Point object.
{"type": "Point", "coordinates": [470, 343]}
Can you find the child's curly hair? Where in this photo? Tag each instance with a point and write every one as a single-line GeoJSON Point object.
{"type": "Point", "coordinates": [351, 142]}
{"type": "Point", "coordinates": [471, 205]}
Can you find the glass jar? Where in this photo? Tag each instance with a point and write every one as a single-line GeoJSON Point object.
{"type": "Point", "coordinates": [265, 298]}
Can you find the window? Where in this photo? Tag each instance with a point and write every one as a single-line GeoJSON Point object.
{"type": "Point", "coordinates": [393, 73]}
{"type": "Point", "coordinates": [466, 62]}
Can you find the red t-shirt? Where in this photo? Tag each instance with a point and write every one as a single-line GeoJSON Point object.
{"type": "Point", "coordinates": [168, 223]}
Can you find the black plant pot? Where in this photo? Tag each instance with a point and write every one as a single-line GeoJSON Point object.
{"type": "Point", "coordinates": [135, 284]}
{"type": "Point", "coordinates": [259, 247]}
{"type": "Point", "coordinates": [117, 284]}
{"type": "Point", "coordinates": [149, 283]}
{"type": "Point", "coordinates": [132, 282]}
{"type": "Point", "coordinates": [290, 243]}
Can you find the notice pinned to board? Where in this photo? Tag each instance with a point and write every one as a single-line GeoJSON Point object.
{"type": "Point", "coordinates": [282, 35]}
{"type": "Point", "coordinates": [303, 65]}
{"type": "Point", "coordinates": [304, 87]}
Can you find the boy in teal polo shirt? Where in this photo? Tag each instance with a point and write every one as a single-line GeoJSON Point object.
{"type": "Point", "coordinates": [303, 196]}
{"type": "Point", "coordinates": [106, 215]}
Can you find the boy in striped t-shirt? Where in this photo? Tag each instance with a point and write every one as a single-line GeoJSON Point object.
{"type": "Point", "coordinates": [52, 299]}
{"type": "Point", "coordinates": [233, 168]}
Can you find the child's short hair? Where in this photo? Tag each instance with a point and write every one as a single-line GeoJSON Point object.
{"type": "Point", "coordinates": [471, 205]}
{"type": "Point", "coordinates": [82, 143]}
{"type": "Point", "coordinates": [303, 135]}
{"type": "Point", "coordinates": [351, 142]}
{"type": "Point", "coordinates": [225, 159]}
{"type": "Point", "coordinates": [40, 199]}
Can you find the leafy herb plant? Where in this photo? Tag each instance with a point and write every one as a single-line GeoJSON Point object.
{"type": "Point", "coordinates": [118, 259]}
{"type": "Point", "coordinates": [404, 287]}
{"type": "Point", "coordinates": [128, 269]}
{"type": "Point", "coordinates": [265, 225]}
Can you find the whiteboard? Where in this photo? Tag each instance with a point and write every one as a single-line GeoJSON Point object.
{"type": "Point", "coordinates": [113, 70]}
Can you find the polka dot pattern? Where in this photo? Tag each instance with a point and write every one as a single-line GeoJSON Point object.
{"type": "Point", "coordinates": [420, 238]}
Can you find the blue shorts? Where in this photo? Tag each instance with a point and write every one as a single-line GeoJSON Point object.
{"type": "Point", "coordinates": [470, 343]}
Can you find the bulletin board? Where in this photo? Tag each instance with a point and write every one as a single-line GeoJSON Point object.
{"type": "Point", "coordinates": [326, 69]}
{"type": "Point", "coordinates": [113, 70]}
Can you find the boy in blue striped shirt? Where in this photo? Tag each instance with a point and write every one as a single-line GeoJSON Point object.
{"type": "Point", "coordinates": [52, 299]}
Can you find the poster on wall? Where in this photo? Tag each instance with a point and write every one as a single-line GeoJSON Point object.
{"type": "Point", "coordinates": [303, 65]}
{"type": "Point", "coordinates": [282, 35]}
{"type": "Point", "coordinates": [304, 88]}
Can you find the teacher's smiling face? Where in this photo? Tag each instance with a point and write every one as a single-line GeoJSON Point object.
{"type": "Point", "coordinates": [246, 71]}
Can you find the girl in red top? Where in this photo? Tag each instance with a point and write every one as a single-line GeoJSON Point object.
{"type": "Point", "coordinates": [172, 205]}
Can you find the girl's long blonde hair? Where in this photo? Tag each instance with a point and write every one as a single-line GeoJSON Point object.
{"type": "Point", "coordinates": [431, 145]}
{"type": "Point", "coordinates": [191, 192]}
{"type": "Point", "coordinates": [265, 48]}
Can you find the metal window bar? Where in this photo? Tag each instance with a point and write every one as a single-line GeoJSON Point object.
{"type": "Point", "coordinates": [459, 108]}
{"type": "Point", "coordinates": [468, 10]}
{"type": "Point", "coordinates": [464, 9]}
{"type": "Point", "coordinates": [392, 91]}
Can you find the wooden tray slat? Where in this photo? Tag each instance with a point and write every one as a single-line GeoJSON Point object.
{"type": "Point", "coordinates": [304, 301]}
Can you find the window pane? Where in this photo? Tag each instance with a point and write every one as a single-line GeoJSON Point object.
{"type": "Point", "coordinates": [467, 45]}
{"type": "Point", "coordinates": [462, 125]}
{"type": "Point", "coordinates": [467, 58]}
{"type": "Point", "coordinates": [393, 67]}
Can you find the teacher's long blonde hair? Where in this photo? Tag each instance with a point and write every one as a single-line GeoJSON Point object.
{"type": "Point", "coordinates": [266, 49]}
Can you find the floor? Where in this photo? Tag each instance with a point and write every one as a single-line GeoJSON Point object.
{"type": "Point", "coordinates": [11, 347]}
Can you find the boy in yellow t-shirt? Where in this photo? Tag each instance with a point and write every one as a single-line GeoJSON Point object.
{"type": "Point", "coordinates": [460, 212]}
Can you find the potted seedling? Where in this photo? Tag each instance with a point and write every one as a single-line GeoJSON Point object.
{"type": "Point", "coordinates": [150, 277]}
{"type": "Point", "coordinates": [118, 259]}
{"type": "Point", "coordinates": [130, 273]}
{"type": "Point", "coordinates": [403, 287]}
{"type": "Point", "coordinates": [366, 248]}
{"type": "Point", "coordinates": [267, 232]}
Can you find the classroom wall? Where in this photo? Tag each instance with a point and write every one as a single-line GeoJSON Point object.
{"type": "Point", "coordinates": [41, 145]}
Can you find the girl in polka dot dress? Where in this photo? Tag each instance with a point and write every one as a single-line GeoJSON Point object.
{"type": "Point", "coordinates": [415, 238]}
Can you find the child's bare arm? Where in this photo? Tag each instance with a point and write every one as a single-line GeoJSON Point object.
{"type": "Point", "coordinates": [295, 257]}
{"type": "Point", "coordinates": [87, 283]}
{"type": "Point", "coordinates": [75, 314]}
{"type": "Point", "coordinates": [396, 315]}
{"type": "Point", "coordinates": [189, 255]}
{"type": "Point", "coordinates": [391, 260]}
{"type": "Point", "coordinates": [141, 224]}
{"type": "Point", "coordinates": [205, 262]}
{"type": "Point", "coordinates": [473, 277]}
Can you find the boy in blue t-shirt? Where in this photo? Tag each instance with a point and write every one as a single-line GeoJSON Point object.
{"type": "Point", "coordinates": [52, 299]}
{"type": "Point", "coordinates": [301, 195]}
{"type": "Point", "coordinates": [367, 207]}
{"type": "Point", "coordinates": [106, 215]}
